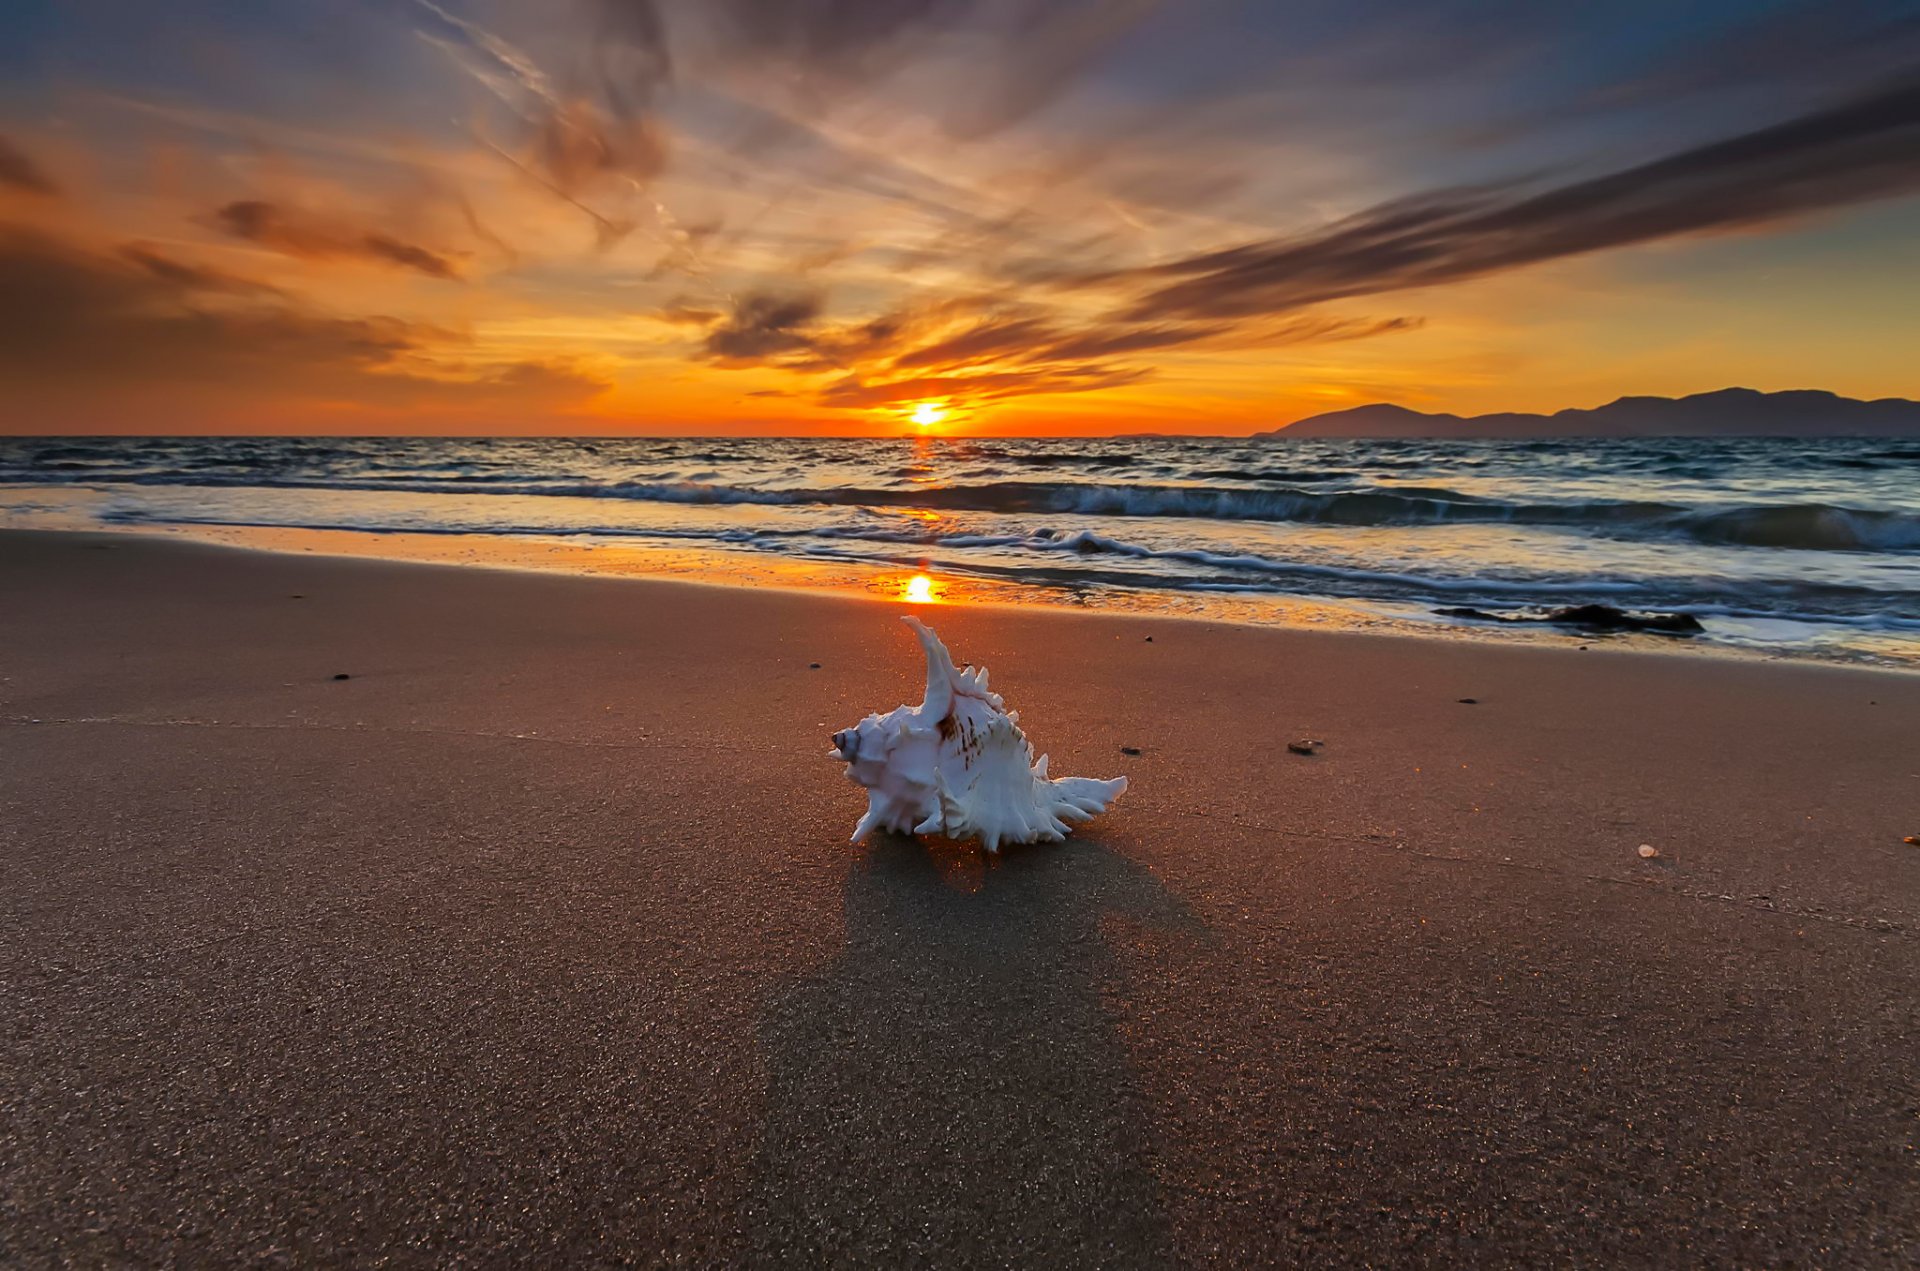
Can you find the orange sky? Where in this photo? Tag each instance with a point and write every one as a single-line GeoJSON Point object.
{"type": "Point", "coordinates": [508, 219]}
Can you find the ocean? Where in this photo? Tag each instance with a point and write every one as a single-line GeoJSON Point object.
{"type": "Point", "coordinates": [1796, 547]}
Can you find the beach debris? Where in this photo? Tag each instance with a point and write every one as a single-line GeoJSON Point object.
{"type": "Point", "coordinates": [1912, 840]}
{"type": "Point", "coordinates": [813, 666]}
{"type": "Point", "coordinates": [1590, 617]}
{"type": "Point", "coordinates": [958, 765]}
{"type": "Point", "coordinates": [1149, 639]}
{"type": "Point", "coordinates": [1469, 701]}
{"type": "Point", "coordinates": [1648, 852]}
{"type": "Point", "coordinates": [1302, 747]}
{"type": "Point", "coordinates": [1129, 750]}
{"type": "Point", "coordinates": [342, 676]}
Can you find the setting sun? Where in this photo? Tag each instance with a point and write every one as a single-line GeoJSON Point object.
{"type": "Point", "coordinates": [927, 414]}
{"type": "Point", "coordinates": [919, 590]}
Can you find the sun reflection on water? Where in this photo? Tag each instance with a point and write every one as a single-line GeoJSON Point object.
{"type": "Point", "coordinates": [919, 590]}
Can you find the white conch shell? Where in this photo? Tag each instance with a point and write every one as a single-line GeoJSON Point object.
{"type": "Point", "coordinates": [958, 765]}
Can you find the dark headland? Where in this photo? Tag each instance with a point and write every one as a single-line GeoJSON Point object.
{"type": "Point", "coordinates": [1731, 412]}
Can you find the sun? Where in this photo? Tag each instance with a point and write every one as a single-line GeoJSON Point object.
{"type": "Point", "coordinates": [918, 590]}
{"type": "Point", "coordinates": [927, 414]}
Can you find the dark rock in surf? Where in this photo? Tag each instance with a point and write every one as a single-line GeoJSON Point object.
{"type": "Point", "coordinates": [1590, 618]}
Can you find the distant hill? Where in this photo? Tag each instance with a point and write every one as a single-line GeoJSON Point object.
{"type": "Point", "coordinates": [1731, 412]}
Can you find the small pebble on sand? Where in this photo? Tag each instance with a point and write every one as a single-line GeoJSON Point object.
{"type": "Point", "coordinates": [1649, 852]}
{"type": "Point", "coordinates": [343, 676]}
{"type": "Point", "coordinates": [1300, 747]}
{"type": "Point", "coordinates": [1129, 750]}
{"type": "Point", "coordinates": [1469, 701]}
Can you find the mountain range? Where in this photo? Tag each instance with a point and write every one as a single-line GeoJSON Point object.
{"type": "Point", "coordinates": [1731, 412]}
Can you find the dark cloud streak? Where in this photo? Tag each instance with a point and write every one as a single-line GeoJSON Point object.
{"type": "Point", "coordinates": [764, 328]}
{"type": "Point", "coordinates": [297, 233]}
{"type": "Point", "coordinates": [973, 350]}
{"type": "Point", "coordinates": [76, 323]}
{"type": "Point", "coordinates": [20, 172]}
{"type": "Point", "coordinates": [191, 278]}
{"type": "Point", "coordinates": [1865, 149]}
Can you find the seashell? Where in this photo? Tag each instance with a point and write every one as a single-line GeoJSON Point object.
{"type": "Point", "coordinates": [957, 764]}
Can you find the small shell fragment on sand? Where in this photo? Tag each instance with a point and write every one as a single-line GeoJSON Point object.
{"type": "Point", "coordinates": [1649, 852]}
{"type": "Point", "coordinates": [1912, 839]}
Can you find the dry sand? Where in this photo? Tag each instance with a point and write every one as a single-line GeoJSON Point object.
{"type": "Point", "coordinates": [537, 941]}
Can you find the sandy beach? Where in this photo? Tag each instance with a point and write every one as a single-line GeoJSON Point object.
{"type": "Point", "coordinates": [537, 939]}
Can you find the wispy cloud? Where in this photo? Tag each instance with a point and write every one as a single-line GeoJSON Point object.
{"type": "Point", "coordinates": [80, 324]}
{"type": "Point", "coordinates": [19, 172]}
{"type": "Point", "coordinates": [1860, 150]}
{"type": "Point", "coordinates": [297, 232]}
{"type": "Point", "coordinates": [858, 203]}
{"type": "Point", "coordinates": [977, 349]}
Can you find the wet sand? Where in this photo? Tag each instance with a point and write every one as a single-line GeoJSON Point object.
{"type": "Point", "coordinates": [537, 940]}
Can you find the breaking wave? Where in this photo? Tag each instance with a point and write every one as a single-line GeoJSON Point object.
{"type": "Point", "coordinates": [1768, 532]}
{"type": "Point", "coordinates": [1803, 526]}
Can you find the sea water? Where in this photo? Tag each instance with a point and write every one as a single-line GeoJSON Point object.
{"type": "Point", "coordinates": [1797, 546]}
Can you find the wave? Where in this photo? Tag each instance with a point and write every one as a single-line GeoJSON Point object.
{"type": "Point", "coordinates": [1102, 560]}
{"type": "Point", "coordinates": [1812, 526]}
{"type": "Point", "coordinates": [1625, 490]}
{"type": "Point", "coordinates": [1809, 526]}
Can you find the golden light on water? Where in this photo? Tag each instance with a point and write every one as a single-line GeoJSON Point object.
{"type": "Point", "coordinates": [918, 590]}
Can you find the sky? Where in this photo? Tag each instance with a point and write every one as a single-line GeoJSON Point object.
{"type": "Point", "coordinates": [866, 217]}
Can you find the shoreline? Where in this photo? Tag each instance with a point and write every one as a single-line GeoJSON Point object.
{"type": "Point", "coordinates": [874, 584]}
{"type": "Point", "coordinates": [537, 938]}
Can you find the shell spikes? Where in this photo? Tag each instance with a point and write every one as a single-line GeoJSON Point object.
{"type": "Point", "coordinates": [957, 764]}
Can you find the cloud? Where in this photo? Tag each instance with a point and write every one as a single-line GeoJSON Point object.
{"type": "Point", "coordinates": [978, 349]}
{"type": "Point", "coordinates": [592, 132]}
{"type": "Point", "coordinates": [68, 310]}
{"type": "Point", "coordinates": [844, 33]}
{"type": "Point", "coordinates": [577, 146]}
{"type": "Point", "coordinates": [854, 393]}
{"type": "Point", "coordinates": [592, 100]}
{"type": "Point", "coordinates": [188, 277]}
{"type": "Point", "coordinates": [81, 326]}
{"type": "Point", "coordinates": [1863, 149]}
{"type": "Point", "coordinates": [19, 172]}
{"type": "Point", "coordinates": [987, 340]}
{"type": "Point", "coordinates": [764, 327]}
{"type": "Point", "coordinates": [298, 233]}
{"type": "Point", "coordinates": [684, 312]}
{"type": "Point", "coordinates": [1018, 55]}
